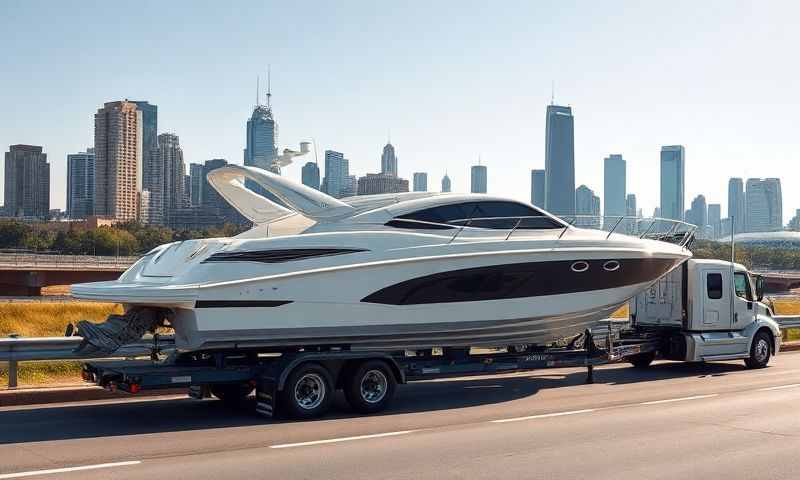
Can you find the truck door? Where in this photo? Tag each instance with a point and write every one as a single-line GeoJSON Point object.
{"type": "Point", "coordinates": [716, 300]}
{"type": "Point", "coordinates": [743, 303]}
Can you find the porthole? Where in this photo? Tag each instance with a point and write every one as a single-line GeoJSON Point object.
{"type": "Point", "coordinates": [580, 266]}
{"type": "Point", "coordinates": [611, 266]}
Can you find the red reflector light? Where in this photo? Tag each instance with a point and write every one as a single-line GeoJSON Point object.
{"type": "Point", "coordinates": [134, 388]}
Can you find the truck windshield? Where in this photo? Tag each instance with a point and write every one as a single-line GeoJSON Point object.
{"type": "Point", "coordinates": [742, 284]}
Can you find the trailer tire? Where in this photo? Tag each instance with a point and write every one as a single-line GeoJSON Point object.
{"type": "Point", "coordinates": [232, 393]}
{"type": "Point", "coordinates": [370, 387]}
{"type": "Point", "coordinates": [642, 360]}
{"type": "Point", "coordinates": [760, 350]}
{"type": "Point", "coordinates": [308, 392]}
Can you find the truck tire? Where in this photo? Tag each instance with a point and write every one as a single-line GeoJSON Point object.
{"type": "Point", "coordinates": [370, 387]}
{"type": "Point", "coordinates": [308, 392]}
{"type": "Point", "coordinates": [232, 393]}
{"type": "Point", "coordinates": [760, 351]}
{"type": "Point", "coordinates": [642, 360]}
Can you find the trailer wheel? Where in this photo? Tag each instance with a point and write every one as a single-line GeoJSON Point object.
{"type": "Point", "coordinates": [370, 387]}
{"type": "Point", "coordinates": [308, 391]}
{"type": "Point", "coordinates": [760, 351]}
{"type": "Point", "coordinates": [642, 360]}
{"type": "Point", "coordinates": [232, 393]}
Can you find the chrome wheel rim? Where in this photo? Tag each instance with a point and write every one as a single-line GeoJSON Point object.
{"type": "Point", "coordinates": [373, 386]}
{"type": "Point", "coordinates": [762, 350]}
{"type": "Point", "coordinates": [309, 391]}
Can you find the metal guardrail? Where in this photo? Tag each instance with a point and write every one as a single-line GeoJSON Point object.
{"type": "Point", "coordinates": [65, 261]}
{"type": "Point", "coordinates": [15, 349]}
{"type": "Point", "coordinates": [788, 321]}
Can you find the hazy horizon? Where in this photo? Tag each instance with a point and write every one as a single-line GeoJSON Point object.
{"type": "Point", "coordinates": [451, 81]}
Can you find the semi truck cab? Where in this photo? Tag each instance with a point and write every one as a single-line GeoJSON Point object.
{"type": "Point", "coordinates": [715, 310]}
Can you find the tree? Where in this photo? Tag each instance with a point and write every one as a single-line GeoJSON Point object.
{"type": "Point", "coordinates": [13, 233]}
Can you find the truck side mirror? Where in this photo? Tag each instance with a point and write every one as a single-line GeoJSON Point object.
{"type": "Point", "coordinates": [759, 287]}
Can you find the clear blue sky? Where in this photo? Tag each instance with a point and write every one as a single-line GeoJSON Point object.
{"type": "Point", "coordinates": [451, 80]}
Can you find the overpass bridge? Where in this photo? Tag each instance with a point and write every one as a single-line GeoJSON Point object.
{"type": "Point", "coordinates": [26, 274]}
{"type": "Point", "coordinates": [776, 281]}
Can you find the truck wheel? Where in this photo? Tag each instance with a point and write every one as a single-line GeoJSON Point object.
{"type": "Point", "coordinates": [760, 351]}
{"type": "Point", "coordinates": [642, 360]}
{"type": "Point", "coordinates": [308, 392]}
{"type": "Point", "coordinates": [232, 393]}
{"type": "Point", "coordinates": [370, 387]}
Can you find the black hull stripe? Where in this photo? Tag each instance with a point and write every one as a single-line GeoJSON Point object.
{"type": "Point", "coordinates": [240, 303]}
{"type": "Point", "coordinates": [521, 280]}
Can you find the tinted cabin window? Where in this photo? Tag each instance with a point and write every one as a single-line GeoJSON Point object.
{"type": "Point", "coordinates": [742, 286]}
{"type": "Point", "coordinates": [489, 214]}
{"type": "Point", "coordinates": [714, 285]}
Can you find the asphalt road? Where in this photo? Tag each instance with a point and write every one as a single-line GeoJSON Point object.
{"type": "Point", "coordinates": [672, 421]}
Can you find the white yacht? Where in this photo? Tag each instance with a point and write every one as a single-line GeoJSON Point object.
{"type": "Point", "coordinates": [411, 270]}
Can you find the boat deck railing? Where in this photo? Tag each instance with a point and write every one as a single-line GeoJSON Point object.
{"type": "Point", "coordinates": [662, 229]}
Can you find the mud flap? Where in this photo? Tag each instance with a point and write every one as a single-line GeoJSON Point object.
{"type": "Point", "coordinates": [199, 392]}
{"type": "Point", "coordinates": [266, 390]}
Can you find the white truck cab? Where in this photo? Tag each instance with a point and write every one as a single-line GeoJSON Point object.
{"type": "Point", "coordinates": [715, 311]}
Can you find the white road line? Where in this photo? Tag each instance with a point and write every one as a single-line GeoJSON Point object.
{"type": "Point", "coordinates": [342, 439]}
{"type": "Point", "coordinates": [681, 399]}
{"type": "Point", "coordinates": [779, 387]}
{"type": "Point", "coordinates": [544, 415]}
{"type": "Point", "coordinates": [67, 469]}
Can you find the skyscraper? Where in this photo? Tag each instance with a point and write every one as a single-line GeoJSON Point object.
{"type": "Point", "coordinates": [389, 160]}
{"type": "Point", "coordinates": [262, 139]}
{"type": "Point", "coordinates": [337, 169]}
{"type": "Point", "coordinates": [630, 205]}
{"type": "Point", "coordinates": [446, 187]}
{"type": "Point", "coordinates": [715, 219]}
{"type": "Point", "coordinates": [27, 182]}
{"type": "Point", "coordinates": [537, 187]}
{"type": "Point", "coordinates": [80, 184]}
{"type": "Point", "coordinates": [170, 155]}
{"type": "Point", "coordinates": [420, 182]}
{"type": "Point", "coordinates": [764, 205]}
{"type": "Point", "coordinates": [210, 197]}
{"type": "Point", "coordinates": [478, 179]}
{"type": "Point", "coordinates": [613, 189]}
{"type": "Point", "coordinates": [310, 175]}
{"type": "Point", "coordinates": [118, 160]}
{"type": "Point", "coordinates": [149, 125]}
{"type": "Point", "coordinates": [736, 204]}
{"type": "Point", "coordinates": [698, 213]}
{"type": "Point", "coordinates": [587, 204]}
{"type": "Point", "coordinates": [559, 161]}
{"type": "Point", "coordinates": [196, 183]}
{"type": "Point", "coordinates": [673, 172]}
{"type": "Point", "coordinates": [375, 183]}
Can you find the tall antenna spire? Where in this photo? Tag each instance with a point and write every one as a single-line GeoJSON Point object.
{"type": "Point", "coordinates": [552, 92]}
{"type": "Point", "coordinates": [269, 86]}
{"type": "Point", "coordinates": [258, 89]}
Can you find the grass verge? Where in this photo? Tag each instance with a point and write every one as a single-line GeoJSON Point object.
{"type": "Point", "coordinates": [39, 319]}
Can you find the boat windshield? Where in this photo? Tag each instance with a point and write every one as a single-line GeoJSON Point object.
{"type": "Point", "coordinates": [490, 214]}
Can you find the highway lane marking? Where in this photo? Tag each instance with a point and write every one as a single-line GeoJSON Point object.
{"type": "Point", "coordinates": [343, 439]}
{"type": "Point", "coordinates": [779, 387]}
{"type": "Point", "coordinates": [544, 415]}
{"type": "Point", "coordinates": [68, 469]}
{"type": "Point", "coordinates": [680, 399]}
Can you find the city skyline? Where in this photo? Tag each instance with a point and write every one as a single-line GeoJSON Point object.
{"type": "Point", "coordinates": [431, 117]}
